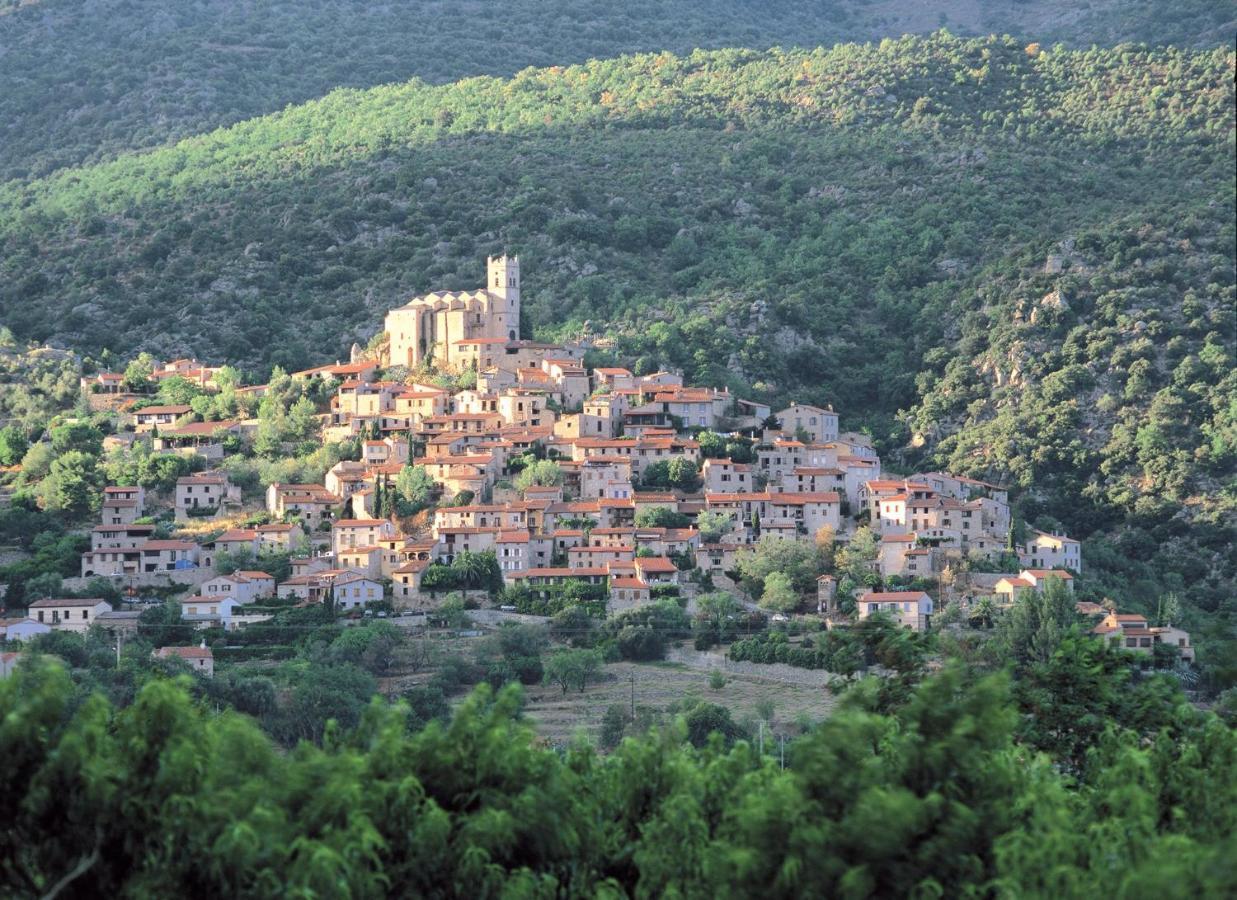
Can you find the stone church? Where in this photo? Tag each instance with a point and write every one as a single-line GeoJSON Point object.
{"type": "Point", "coordinates": [445, 327]}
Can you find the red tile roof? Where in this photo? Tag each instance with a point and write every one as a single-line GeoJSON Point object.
{"type": "Point", "coordinates": [185, 652]}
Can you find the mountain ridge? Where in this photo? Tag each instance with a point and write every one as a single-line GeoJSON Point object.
{"type": "Point", "coordinates": [87, 82]}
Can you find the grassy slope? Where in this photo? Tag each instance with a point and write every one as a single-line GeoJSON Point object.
{"type": "Point", "coordinates": [85, 82]}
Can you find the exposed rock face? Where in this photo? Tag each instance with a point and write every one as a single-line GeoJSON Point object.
{"type": "Point", "coordinates": [1054, 300]}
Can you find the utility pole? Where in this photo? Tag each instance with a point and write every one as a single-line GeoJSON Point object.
{"type": "Point", "coordinates": [120, 639]}
{"type": "Point", "coordinates": [633, 697]}
{"type": "Point", "coordinates": [762, 737]}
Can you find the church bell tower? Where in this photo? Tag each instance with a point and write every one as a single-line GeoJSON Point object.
{"type": "Point", "coordinates": [503, 285]}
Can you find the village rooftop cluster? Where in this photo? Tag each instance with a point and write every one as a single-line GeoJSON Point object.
{"type": "Point", "coordinates": [614, 492]}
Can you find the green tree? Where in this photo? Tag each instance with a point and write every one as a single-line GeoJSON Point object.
{"type": "Point", "coordinates": [613, 726]}
{"type": "Point", "coordinates": [322, 694]}
{"type": "Point", "coordinates": [37, 463]}
{"type": "Point", "coordinates": [543, 472]}
{"type": "Point", "coordinates": [779, 594]}
{"type": "Point", "coordinates": [415, 489]}
{"type": "Point", "coordinates": [683, 473]}
{"type": "Point", "coordinates": [73, 485]}
{"type": "Point", "coordinates": [705, 719]}
{"type": "Point", "coordinates": [1070, 698]}
{"type": "Point", "coordinates": [13, 445]}
{"type": "Point", "coordinates": [571, 668]}
{"type": "Point", "coordinates": [272, 426]}
{"type": "Point", "coordinates": [371, 646]}
{"type": "Point", "coordinates": [1032, 629]}
{"type": "Point", "coordinates": [302, 424]}
{"type": "Point", "coordinates": [137, 375]}
{"type": "Point", "coordinates": [1168, 609]}
{"type": "Point", "coordinates": [453, 613]}
{"type": "Point", "coordinates": [79, 436]}
{"type": "Point", "coordinates": [661, 517]}
{"type": "Point", "coordinates": [47, 584]}
{"type": "Point", "coordinates": [477, 571]}
{"type": "Point", "coordinates": [799, 561]}
{"type": "Point", "coordinates": [712, 444]}
{"type": "Point", "coordinates": [437, 578]}
{"type": "Point", "coordinates": [716, 612]}
{"type": "Point", "coordinates": [513, 653]}
{"type": "Point", "coordinates": [178, 391]}
{"type": "Point", "coordinates": [855, 559]}
{"type": "Point", "coordinates": [712, 524]}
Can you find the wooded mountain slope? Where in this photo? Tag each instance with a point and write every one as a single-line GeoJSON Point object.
{"type": "Point", "coordinates": [85, 81]}
{"type": "Point", "coordinates": [1019, 264]}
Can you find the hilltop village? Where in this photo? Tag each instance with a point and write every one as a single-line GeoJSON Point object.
{"type": "Point", "coordinates": [469, 461]}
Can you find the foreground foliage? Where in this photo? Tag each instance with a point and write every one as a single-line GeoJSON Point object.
{"type": "Point", "coordinates": [166, 797]}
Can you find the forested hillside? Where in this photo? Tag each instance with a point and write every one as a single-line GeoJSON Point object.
{"type": "Point", "coordinates": [85, 81]}
{"type": "Point", "coordinates": [1013, 261]}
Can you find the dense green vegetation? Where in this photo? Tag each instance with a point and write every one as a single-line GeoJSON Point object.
{"type": "Point", "coordinates": [35, 382]}
{"type": "Point", "coordinates": [942, 794]}
{"type": "Point", "coordinates": [86, 82]}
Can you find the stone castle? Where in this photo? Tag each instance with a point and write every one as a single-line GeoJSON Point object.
{"type": "Point", "coordinates": [446, 327]}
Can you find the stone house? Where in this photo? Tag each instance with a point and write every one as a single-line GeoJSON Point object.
{"type": "Point", "coordinates": [1132, 632]}
{"type": "Point", "coordinates": [22, 629]}
{"type": "Point", "coordinates": [726, 477]}
{"type": "Point", "coordinates": [168, 556]}
{"type": "Point", "coordinates": [1051, 551]}
{"type": "Point", "coordinates": [202, 494]}
{"type": "Point", "coordinates": [158, 417]}
{"type": "Point", "coordinates": [201, 659]}
{"type": "Point", "coordinates": [820, 424]}
{"type": "Point", "coordinates": [349, 533]}
{"type": "Point", "coordinates": [354, 590]}
{"type": "Point", "coordinates": [912, 609]}
{"type": "Point", "coordinates": [308, 504]}
{"type": "Point", "coordinates": [114, 550]}
{"type": "Point", "coordinates": [68, 614]}
{"type": "Point", "coordinates": [203, 612]}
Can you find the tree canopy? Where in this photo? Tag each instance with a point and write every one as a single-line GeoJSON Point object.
{"type": "Point", "coordinates": [168, 797]}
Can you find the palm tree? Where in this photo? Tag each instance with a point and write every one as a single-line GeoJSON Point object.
{"type": "Point", "coordinates": [983, 613]}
